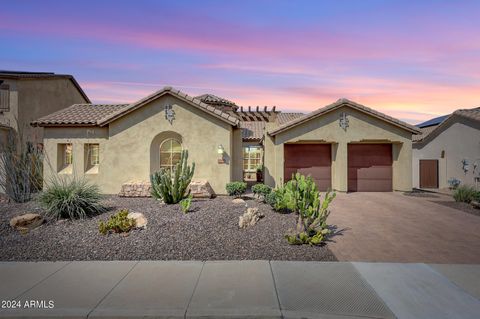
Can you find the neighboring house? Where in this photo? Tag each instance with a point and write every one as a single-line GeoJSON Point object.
{"type": "Point", "coordinates": [344, 146]}
{"type": "Point", "coordinates": [448, 148]}
{"type": "Point", "coordinates": [26, 96]}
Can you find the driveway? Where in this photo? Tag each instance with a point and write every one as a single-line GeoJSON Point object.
{"type": "Point", "coordinates": [393, 227]}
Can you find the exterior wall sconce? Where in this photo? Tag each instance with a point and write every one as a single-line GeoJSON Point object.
{"type": "Point", "coordinates": [221, 152]}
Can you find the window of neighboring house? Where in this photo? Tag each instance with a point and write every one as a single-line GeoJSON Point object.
{"type": "Point", "coordinates": [252, 158]}
{"type": "Point", "coordinates": [170, 153]}
{"type": "Point", "coordinates": [4, 98]}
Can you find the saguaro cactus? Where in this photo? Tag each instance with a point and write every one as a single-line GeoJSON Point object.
{"type": "Point", "coordinates": [172, 187]}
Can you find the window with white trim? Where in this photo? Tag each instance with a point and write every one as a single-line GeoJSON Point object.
{"type": "Point", "coordinates": [252, 159]}
{"type": "Point", "coordinates": [170, 153]}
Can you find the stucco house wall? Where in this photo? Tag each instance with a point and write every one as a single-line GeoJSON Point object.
{"type": "Point", "coordinates": [32, 98]}
{"type": "Point", "coordinates": [459, 139]}
{"type": "Point", "coordinates": [130, 145]}
{"type": "Point", "coordinates": [362, 128]}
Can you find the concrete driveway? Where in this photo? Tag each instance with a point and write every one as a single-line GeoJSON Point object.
{"type": "Point", "coordinates": [393, 227]}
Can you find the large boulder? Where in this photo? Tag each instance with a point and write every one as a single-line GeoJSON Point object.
{"type": "Point", "coordinates": [238, 201]}
{"type": "Point", "coordinates": [250, 218]}
{"type": "Point", "coordinates": [140, 219]}
{"type": "Point", "coordinates": [201, 189]}
{"type": "Point", "coordinates": [136, 189]}
{"type": "Point", "coordinates": [26, 222]}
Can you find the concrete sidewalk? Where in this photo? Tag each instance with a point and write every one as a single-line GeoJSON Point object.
{"type": "Point", "coordinates": [237, 289]}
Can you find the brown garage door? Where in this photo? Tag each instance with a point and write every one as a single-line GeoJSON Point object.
{"type": "Point", "coordinates": [428, 173]}
{"type": "Point", "coordinates": [309, 159]}
{"type": "Point", "coordinates": [369, 167]}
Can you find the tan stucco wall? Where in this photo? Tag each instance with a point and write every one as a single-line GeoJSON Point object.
{"type": "Point", "coordinates": [127, 154]}
{"type": "Point", "coordinates": [40, 97]}
{"type": "Point", "coordinates": [326, 129]}
{"type": "Point", "coordinates": [460, 140]}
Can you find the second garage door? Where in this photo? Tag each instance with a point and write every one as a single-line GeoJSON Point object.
{"type": "Point", "coordinates": [309, 159]}
{"type": "Point", "coordinates": [369, 167]}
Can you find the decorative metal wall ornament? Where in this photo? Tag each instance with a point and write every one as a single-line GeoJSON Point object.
{"type": "Point", "coordinates": [343, 122]}
{"type": "Point", "coordinates": [169, 113]}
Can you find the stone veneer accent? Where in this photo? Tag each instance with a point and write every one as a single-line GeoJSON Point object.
{"type": "Point", "coordinates": [136, 189]}
{"type": "Point", "coordinates": [198, 189]}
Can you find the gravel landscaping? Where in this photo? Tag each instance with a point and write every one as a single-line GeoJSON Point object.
{"type": "Point", "coordinates": [464, 207]}
{"type": "Point", "coordinates": [209, 232]}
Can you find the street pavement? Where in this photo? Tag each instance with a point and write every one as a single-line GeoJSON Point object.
{"type": "Point", "coordinates": [238, 289]}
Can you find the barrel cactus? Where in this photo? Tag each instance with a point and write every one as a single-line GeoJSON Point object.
{"type": "Point", "coordinates": [170, 186]}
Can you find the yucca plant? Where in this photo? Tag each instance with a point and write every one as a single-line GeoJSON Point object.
{"type": "Point", "coordinates": [172, 187]}
{"type": "Point", "coordinates": [72, 199]}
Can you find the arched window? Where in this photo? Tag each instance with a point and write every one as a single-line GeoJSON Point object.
{"type": "Point", "coordinates": [170, 153]}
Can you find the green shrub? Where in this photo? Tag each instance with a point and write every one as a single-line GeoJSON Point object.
{"type": "Point", "coordinates": [476, 196]}
{"type": "Point", "coordinates": [71, 199]}
{"type": "Point", "coordinates": [186, 203]}
{"type": "Point", "coordinates": [464, 193]}
{"type": "Point", "coordinates": [172, 187]}
{"type": "Point", "coordinates": [301, 196]}
{"type": "Point", "coordinates": [236, 188]}
{"type": "Point", "coordinates": [276, 200]}
{"type": "Point", "coordinates": [261, 190]}
{"type": "Point", "coordinates": [117, 223]}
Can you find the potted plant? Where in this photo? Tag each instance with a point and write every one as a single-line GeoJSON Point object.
{"type": "Point", "coordinates": [260, 173]}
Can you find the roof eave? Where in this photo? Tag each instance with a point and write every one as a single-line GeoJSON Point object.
{"type": "Point", "coordinates": [182, 96]}
{"type": "Point", "coordinates": [331, 108]}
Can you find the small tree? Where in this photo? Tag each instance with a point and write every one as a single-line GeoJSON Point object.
{"type": "Point", "coordinates": [170, 186]}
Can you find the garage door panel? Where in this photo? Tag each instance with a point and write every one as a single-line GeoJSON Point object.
{"type": "Point", "coordinates": [309, 159]}
{"type": "Point", "coordinates": [375, 172]}
{"type": "Point", "coordinates": [373, 185]}
{"type": "Point", "coordinates": [370, 167]}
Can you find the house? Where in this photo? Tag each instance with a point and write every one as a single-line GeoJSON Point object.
{"type": "Point", "coordinates": [344, 146]}
{"type": "Point", "coordinates": [448, 148]}
{"type": "Point", "coordinates": [26, 96]}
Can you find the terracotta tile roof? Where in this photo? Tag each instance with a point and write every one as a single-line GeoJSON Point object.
{"type": "Point", "coordinates": [5, 74]}
{"type": "Point", "coordinates": [79, 114]}
{"type": "Point", "coordinates": [232, 120]}
{"type": "Point", "coordinates": [214, 100]}
{"type": "Point", "coordinates": [425, 131]}
{"type": "Point", "coordinates": [338, 104]}
{"type": "Point", "coordinates": [471, 114]}
{"type": "Point", "coordinates": [283, 118]}
{"type": "Point", "coordinates": [252, 130]}
{"type": "Point", "coordinates": [102, 114]}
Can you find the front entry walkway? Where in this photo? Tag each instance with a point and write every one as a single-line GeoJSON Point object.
{"type": "Point", "coordinates": [393, 227]}
{"type": "Point", "coordinates": [254, 289]}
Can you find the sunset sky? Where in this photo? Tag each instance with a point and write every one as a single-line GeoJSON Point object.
{"type": "Point", "coordinates": [410, 59]}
